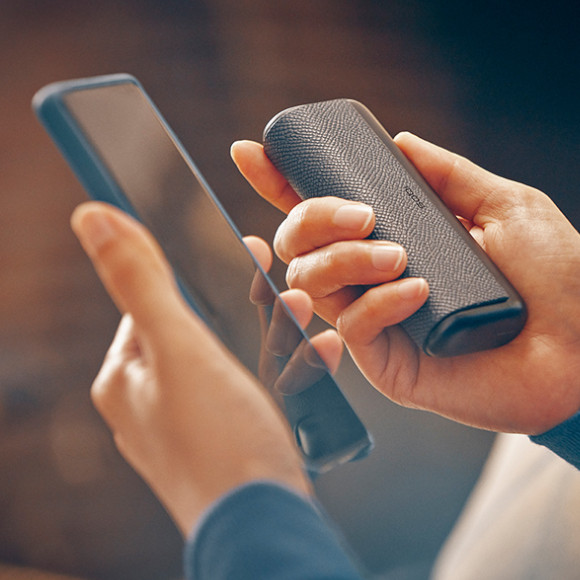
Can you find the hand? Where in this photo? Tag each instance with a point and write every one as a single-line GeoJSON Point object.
{"type": "Point", "coordinates": [527, 386]}
{"type": "Point", "coordinates": [191, 420]}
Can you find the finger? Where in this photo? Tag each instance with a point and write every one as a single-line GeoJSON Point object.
{"type": "Point", "coordinates": [125, 345]}
{"type": "Point", "coordinates": [330, 307]}
{"type": "Point", "coordinates": [379, 308]}
{"type": "Point", "coordinates": [329, 347]}
{"type": "Point", "coordinates": [130, 264]}
{"type": "Point", "coordinates": [258, 170]}
{"type": "Point", "coordinates": [467, 189]}
{"type": "Point", "coordinates": [260, 250]}
{"type": "Point", "coordinates": [309, 362]}
{"type": "Point", "coordinates": [300, 305]}
{"type": "Point", "coordinates": [106, 388]}
{"type": "Point", "coordinates": [321, 221]}
{"type": "Point", "coordinates": [361, 262]}
{"type": "Point", "coordinates": [283, 334]}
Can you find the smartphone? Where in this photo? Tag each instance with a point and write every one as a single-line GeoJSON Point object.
{"type": "Point", "coordinates": [124, 153]}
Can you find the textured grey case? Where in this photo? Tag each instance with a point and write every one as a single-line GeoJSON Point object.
{"type": "Point", "coordinates": [337, 148]}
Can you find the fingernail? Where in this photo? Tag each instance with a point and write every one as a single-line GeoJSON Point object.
{"type": "Point", "coordinates": [233, 148]}
{"type": "Point", "coordinates": [93, 228]}
{"type": "Point", "coordinates": [403, 135]}
{"type": "Point", "coordinates": [386, 257]}
{"type": "Point", "coordinates": [411, 288]}
{"type": "Point", "coordinates": [353, 216]}
{"type": "Point", "coordinates": [236, 145]}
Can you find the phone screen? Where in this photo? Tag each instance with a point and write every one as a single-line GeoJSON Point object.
{"type": "Point", "coordinates": [171, 201]}
{"type": "Point", "coordinates": [142, 168]}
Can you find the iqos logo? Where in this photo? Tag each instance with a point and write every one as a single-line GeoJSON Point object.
{"type": "Point", "coordinates": [410, 193]}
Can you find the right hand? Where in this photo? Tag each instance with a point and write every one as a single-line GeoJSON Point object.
{"type": "Point", "coordinates": [527, 386]}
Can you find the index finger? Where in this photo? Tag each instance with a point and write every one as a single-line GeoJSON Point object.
{"type": "Point", "coordinates": [258, 170]}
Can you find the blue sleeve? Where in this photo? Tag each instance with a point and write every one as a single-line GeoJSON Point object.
{"type": "Point", "coordinates": [263, 531]}
{"type": "Point", "coordinates": [564, 440]}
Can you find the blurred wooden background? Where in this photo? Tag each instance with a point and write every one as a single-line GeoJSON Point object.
{"type": "Point", "coordinates": [495, 82]}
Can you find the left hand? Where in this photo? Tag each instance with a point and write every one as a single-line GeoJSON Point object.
{"type": "Point", "coordinates": [191, 420]}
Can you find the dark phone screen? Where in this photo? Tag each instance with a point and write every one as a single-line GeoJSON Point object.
{"type": "Point", "coordinates": [169, 198]}
{"type": "Point", "coordinates": [220, 277]}
{"type": "Point", "coordinates": [147, 167]}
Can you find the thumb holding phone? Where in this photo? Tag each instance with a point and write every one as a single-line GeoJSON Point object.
{"type": "Point", "coordinates": [189, 418]}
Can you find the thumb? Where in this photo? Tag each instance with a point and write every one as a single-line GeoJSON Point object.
{"type": "Point", "coordinates": [467, 189]}
{"type": "Point", "coordinates": [130, 264]}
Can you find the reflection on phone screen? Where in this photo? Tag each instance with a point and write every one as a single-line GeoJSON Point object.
{"type": "Point", "coordinates": [149, 175]}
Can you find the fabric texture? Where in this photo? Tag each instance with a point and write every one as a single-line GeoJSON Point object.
{"type": "Point", "coordinates": [563, 440]}
{"type": "Point", "coordinates": [263, 531]}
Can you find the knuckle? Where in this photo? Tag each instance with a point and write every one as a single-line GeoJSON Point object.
{"type": "Point", "coordinates": [99, 393]}
{"type": "Point", "coordinates": [319, 273]}
{"type": "Point", "coordinates": [343, 327]}
{"type": "Point", "coordinates": [279, 244]}
{"type": "Point", "coordinates": [294, 231]}
{"type": "Point", "coordinates": [332, 259]}
{"type": "Point", "coordinates": [304, 273]}
{"type": "Point", "coordinates": [105, 384]}
{"type": "Point", "coordinates": [299, 216]}
{"type": "Point", "coordinates": [293, 274]}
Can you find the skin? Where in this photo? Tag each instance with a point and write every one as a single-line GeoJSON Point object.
{"type": "Point", "coordinates": [527, 386]}
{"type": "Point", "coordinates": [195, 424]}
{"type": "Point", "coordinates": [190, 419]}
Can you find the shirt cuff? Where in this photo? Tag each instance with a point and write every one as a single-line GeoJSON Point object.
{"type": "Point", "coordinates": [563, 439]}
{"type": "Point", "coordinates": [263, 530]}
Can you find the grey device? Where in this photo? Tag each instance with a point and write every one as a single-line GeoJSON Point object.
{"type": "Point", "coordinates": [338, 148]}
{"type": "Point", "coordinates": [124, 153]}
